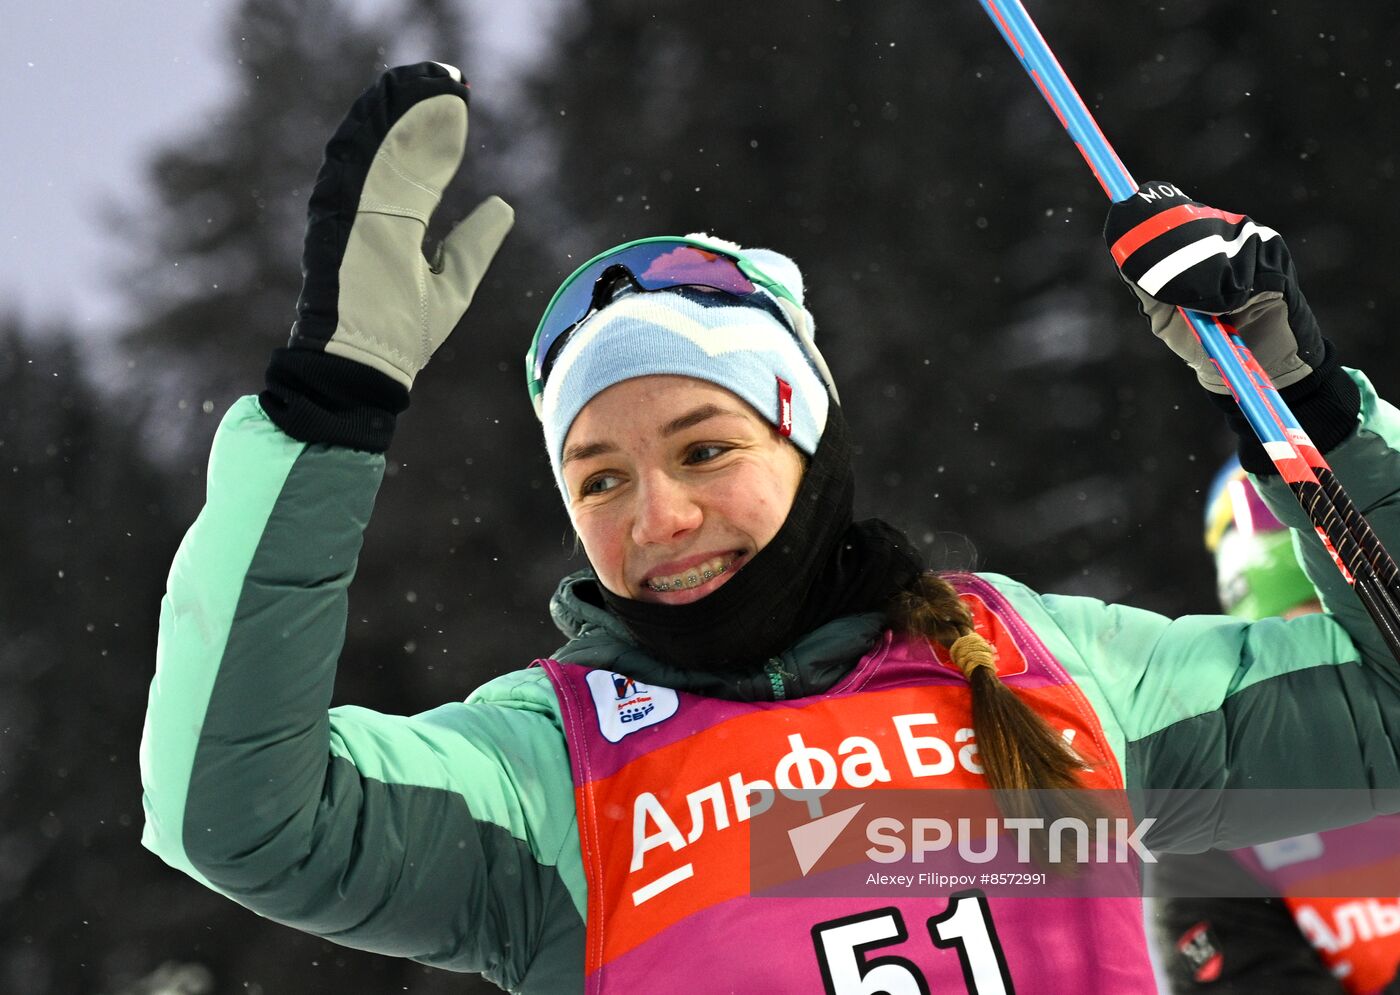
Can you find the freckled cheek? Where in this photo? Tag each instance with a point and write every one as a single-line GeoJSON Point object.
{"type": "Point", "coordinates": [771, 516]}
{"type": "Point", "coordinates": [779, 502]}
{"type": "Point", "coordinates": [757, 511]}
{"type": "Point", "coordinates": [604, 542]}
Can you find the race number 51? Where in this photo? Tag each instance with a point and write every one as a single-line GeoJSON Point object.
{"type": "Point", "coordinates": [965, 926]}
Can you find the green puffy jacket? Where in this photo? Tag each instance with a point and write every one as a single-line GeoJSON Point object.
{"type": "Point", "coordinates": [450, 837]}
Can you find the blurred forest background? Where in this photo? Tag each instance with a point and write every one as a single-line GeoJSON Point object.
{"type": "Point", "coordinates": [1012, 410]}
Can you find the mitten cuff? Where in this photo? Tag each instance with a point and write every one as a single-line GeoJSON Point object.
{"type": "Point", "coordinates": [316, 397]}
{"type": "Point", "coordinates": [1326, 403]}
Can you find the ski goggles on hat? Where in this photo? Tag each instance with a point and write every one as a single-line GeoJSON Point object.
{"type": "Point", "coordinates": [661, 263]}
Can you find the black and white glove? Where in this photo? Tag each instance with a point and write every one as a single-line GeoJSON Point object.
{"type": "Point", "coordinates": [1177, 252]}
{"type": "Point", "coordinates": [372, 308]}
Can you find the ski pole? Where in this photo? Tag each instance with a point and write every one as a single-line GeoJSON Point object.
{"type": "Point", "coordinates": [1353, 546]}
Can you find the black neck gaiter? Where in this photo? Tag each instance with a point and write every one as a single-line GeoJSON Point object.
{"type": "Point", "coordinates": [821, 565]}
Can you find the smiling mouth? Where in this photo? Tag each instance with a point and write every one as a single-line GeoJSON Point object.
{"type": "Point", "coordinates": [693, 576]}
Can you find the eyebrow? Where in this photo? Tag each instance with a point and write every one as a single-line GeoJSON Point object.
{"type": "Point", "coordinates": [688, 420]}
{"type": "Point", "coordinates": [692, 418]}
{"type": "Point", "coordinates": [578, 452]}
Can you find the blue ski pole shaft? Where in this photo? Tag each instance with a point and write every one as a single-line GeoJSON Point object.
{"type": "Point", "coordinates": [1355, 548]}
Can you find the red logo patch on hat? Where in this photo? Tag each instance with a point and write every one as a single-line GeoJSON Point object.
{"type": "Point", "coordinates": [784, 407]}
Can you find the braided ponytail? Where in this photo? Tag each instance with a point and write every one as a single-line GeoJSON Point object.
{"type": "Point", "coordinates": [1030, 769]}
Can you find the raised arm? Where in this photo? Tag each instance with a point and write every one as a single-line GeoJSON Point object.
{"type": "Point", "coordinates": [1175, 252]}
{"type": "Point", "coordinates": [1206, 703]}
{"type": "Point", "coordinates": [436, 837]}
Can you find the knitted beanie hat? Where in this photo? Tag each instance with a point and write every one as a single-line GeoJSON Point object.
{"type": "Point", "coordinates": [747, 346]}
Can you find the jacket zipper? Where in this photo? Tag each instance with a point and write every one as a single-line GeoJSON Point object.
{"type": "Point", "coordinates": [774, 669]}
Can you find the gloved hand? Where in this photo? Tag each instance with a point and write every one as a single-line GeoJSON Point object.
{"type": "Point", "coordinates": [1172, 250]}
{"type": "Point", "coordinates": [369, 297]}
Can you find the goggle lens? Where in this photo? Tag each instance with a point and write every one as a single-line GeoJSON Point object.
{"type": "Point", "coordinates": [690, 265]}
{"type": "Point", "coordinates": [656, 265]}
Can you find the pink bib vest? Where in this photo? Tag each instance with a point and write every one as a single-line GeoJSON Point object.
{"type": "Point", "coordinates": [1358, 938]}
{"type": "Point", "coordinates": [671, 787]}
